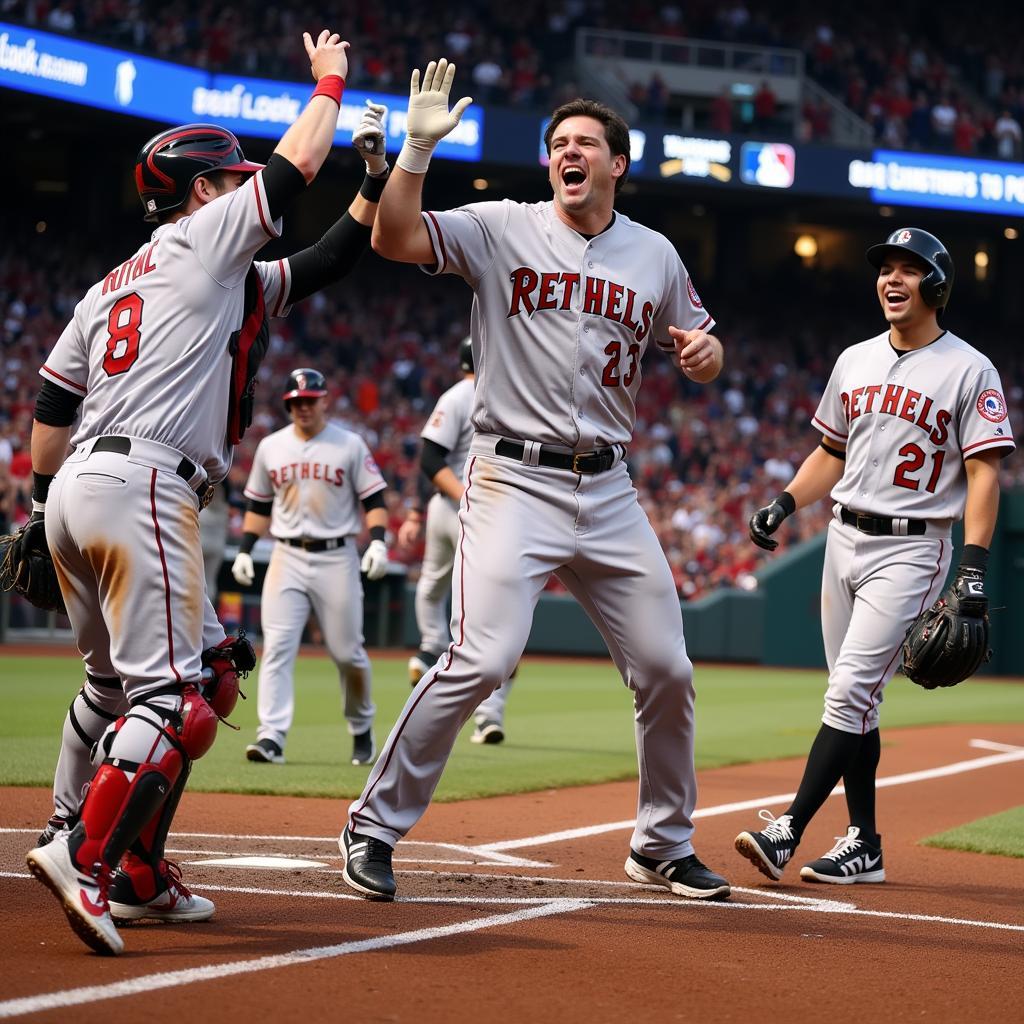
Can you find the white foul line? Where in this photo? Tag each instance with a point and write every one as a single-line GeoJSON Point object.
{"type": "Point", "coordinates": [189, 976]}
{"type": "Point", "coordinates": [1012, 754]}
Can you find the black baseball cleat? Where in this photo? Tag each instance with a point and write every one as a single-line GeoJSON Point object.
{"type": "Point", "coordinates": [851, 860]}
{"type": "Point", "coordinates": [770, 849]}
{"type": "Point", "coordinates": [367, 865]}
{"type": "Point", "coordinates": [265, 752]}
{"type": "Point", "coordinates": [364, 749]}
{"type": "Point", "coordinates": [686, 876]}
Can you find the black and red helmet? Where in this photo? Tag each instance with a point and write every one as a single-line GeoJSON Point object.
{"type": "Point", "coordinates": [305, 383]}
{"type": "Point", "coordinates": [168, 164]}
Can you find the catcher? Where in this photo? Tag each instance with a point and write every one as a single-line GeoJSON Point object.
{"type": "Point", "coordinates": [913, 426]}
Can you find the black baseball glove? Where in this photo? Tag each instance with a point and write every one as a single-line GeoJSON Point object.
{"type": "Point", "coordinates": [948, 643]}
{"type": "Point", "coordinates": [27, 568]}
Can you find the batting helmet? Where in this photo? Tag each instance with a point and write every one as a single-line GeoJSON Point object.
{"type": "Point", "coordinates": [466, 355]}
{"type": "Point", "coordinates": [938, 282]}
{"type": "Point", "coordinates": [168, 164]}
{"type": "Point", "coordinates": [305, 383]}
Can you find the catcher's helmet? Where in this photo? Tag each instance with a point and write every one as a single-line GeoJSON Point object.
{"type": "Point", "coordinates": [305, 383]}
{"type": "Point", "coordinates": [938, 282]}
{"type": "Point", "coordinates": [168, 164]}
{"type": "Point", "coordinates": [466, 355]}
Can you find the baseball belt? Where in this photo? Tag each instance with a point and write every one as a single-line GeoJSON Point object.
{"type": "Point", "coordinates": [186, 469]}
{"type": "Point", "coordinates": [883, 526]}
{"type": "Point", "coordinates": [596, 461]}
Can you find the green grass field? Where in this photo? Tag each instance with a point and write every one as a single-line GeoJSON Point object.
{"type": "Point", "coordinates": [568, 723]}
{"type": "Point", "coordinates": [1000, 833]}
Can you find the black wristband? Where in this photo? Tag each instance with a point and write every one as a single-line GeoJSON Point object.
{"type": "Point", "coordinates": [378, 532]}
{"type": "Point", "coordinates": [974, 557]}
{"type": "Point", "coordinates": [248, 542]}
{"type": "Point", "coordinates": [372, 187]}
{"type": "Point", "coordinates": [41, 486]}
{"type": "Point", "coordinates": [787, 501]}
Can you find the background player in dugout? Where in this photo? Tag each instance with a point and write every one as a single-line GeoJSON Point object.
{"type": "Point", "coordinates": [194, 290]}
{"type": "Point", "coordinates": [306, 483]}
{"type": "Point", "coordinates": [567, 295]}
{"type": "Point", "coordinates": [913, 426]}
{"type": "Point", "coordinates": [446, 438]}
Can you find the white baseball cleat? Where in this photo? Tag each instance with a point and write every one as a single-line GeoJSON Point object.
{"type": "Point", "coordinates": [83, 895]}
{"type": "Point", "coordinates": [174, 903]}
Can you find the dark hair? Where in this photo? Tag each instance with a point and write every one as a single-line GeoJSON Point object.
{"type": "Point", "coordinates": [616, 131]}
{"type": "Point", "coordinates": [216, 177]}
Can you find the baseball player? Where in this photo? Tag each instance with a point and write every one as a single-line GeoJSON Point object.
{"type": "Point", "coordinates": [179, 325]}
{"type": "Point", "coordinates": [446, 439]}
{"type": "Point", "coordinates": [913, 425]}
{"type": "Point", "coordinates": [568, 294]}
{"type": "Point", "coordinates": [305, 485]}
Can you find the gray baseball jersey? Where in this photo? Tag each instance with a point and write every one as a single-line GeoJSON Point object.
{"type": "Point", "coordinates": [450, 425]}
{"type": "Point", "coordinates": [151, 338]}
{"type": "Point", "coordinates": [560, 322]}
{"type": "Point", "coordinates": [316, 485]}
{"type": "Point", "coordinates": [908, 420]}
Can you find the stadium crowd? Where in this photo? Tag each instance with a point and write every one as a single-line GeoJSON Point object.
{"type": "Point", "coordinates": [703, 458]}
{"type": "Point", "coordinates": [925, 77]}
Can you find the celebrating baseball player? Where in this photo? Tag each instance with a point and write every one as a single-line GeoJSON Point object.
{"type": "Point", "coordinates": [567, 295]}
{"type": "Point", "coordinates": [181, 325]}
{"type": "Point", "coordinates": [913, 425]}
{"type": "Point", "coordinates": [446, 439]}
{"type": "Point", "coordinates": [305, 486]}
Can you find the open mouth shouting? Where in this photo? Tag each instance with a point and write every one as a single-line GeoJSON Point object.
{"type": "Point", "coordinates": [574, 179]}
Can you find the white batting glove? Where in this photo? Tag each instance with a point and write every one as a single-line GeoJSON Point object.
{"type": "Point", "coordinates": [369, 138]}
{"type": "Point", "coordinates": [375, 560]}
{"type": "Point", "coordinates": [242, 569]}
{"type": "Point", "coordinates": [429, 119]}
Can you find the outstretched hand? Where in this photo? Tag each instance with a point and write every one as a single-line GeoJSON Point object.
{"type": "Point", "coordinates": [368, 138]}
{"type": "Point", "coordinates": [429, 120]}
{"type": "Point", "coordinates": [327, 56]}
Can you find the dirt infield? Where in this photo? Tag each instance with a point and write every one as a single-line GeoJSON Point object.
{"type": "Point", "coordinates": [516, 909]}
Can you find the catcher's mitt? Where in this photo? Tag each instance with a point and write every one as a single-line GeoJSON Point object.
{"type": "Point", "coordinates": [27, 568]}
{"type": "Point", "coordinates": [949, 642]}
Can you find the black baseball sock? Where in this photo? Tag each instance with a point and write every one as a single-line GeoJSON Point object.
{"type": "Point", "coordinates": [859, 780]}
{"type": "Point", "coordinates": [831, 754]}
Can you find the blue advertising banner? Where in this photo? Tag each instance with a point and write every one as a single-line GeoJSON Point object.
{"type": "Point", "coordinates": [98, 76]}
{"type": "Point", "coordinates": [949, 182]}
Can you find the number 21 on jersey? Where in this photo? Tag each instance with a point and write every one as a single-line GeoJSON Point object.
{"type": "Point", "coordinates": [913, 460]}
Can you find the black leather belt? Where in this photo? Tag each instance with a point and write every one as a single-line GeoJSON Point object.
{"type": "Point", "coordinates": [881, 526]}
{"type": "Point", "coordinates": [311, 544]}
{"type": "Point", "coordinates": [186, 469]}
{"type": "Point", "coordinates": [579, 462]}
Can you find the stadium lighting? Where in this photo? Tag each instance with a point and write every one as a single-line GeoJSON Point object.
{"type": "Point", "coordinates": [806, 247]}
{"type": "Point", "coordinates": [1010, 233]}
{"type": "Point", "coordinates": [981, 259]}
{"type": "Point", "coordinates": [480, 184]}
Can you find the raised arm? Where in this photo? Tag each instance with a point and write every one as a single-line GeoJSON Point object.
{"type": "Point", "coordinates": [307, 142]}
{"type": "Point", "coordinates": [399, 232]}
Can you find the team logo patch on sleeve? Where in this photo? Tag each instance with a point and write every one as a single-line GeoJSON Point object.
{"type": "Point", "coordinates": [992, 406]}
{"type": "Point", "coordinates": [371, 466]}
{"type": "Point", "coordinates": [694, 297]}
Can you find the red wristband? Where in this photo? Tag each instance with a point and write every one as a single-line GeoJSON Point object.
{"type": "Point", "coordinates": [332, 86]}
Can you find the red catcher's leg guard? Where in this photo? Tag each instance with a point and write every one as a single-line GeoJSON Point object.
{"type": "Point", "coordinates": [198, 723]}
{"type": "Point", "coordinates": [122, 799]}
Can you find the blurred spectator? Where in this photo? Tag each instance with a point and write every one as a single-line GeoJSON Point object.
{"type": "Point", "coordinates": [919, 123]}
{"type": "Point", "coordinates": [944, 118]}
{"type": "Point", "coordinates": [965, 134]}
{"type": "Point", "coordinates": [721, 112]}
{"type": "Point", "coordinates": [765, 108]}
{"type": "Point", "coordinates": [1007, 134]}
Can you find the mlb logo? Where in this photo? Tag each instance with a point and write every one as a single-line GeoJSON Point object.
{"type": "Point", "coordinates": [768, 164]}
{"type": "Point", "coordinates": [903, 237]}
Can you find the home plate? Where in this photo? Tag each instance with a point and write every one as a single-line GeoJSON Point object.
{"type": "Point", "coordinates": [278, 863]}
